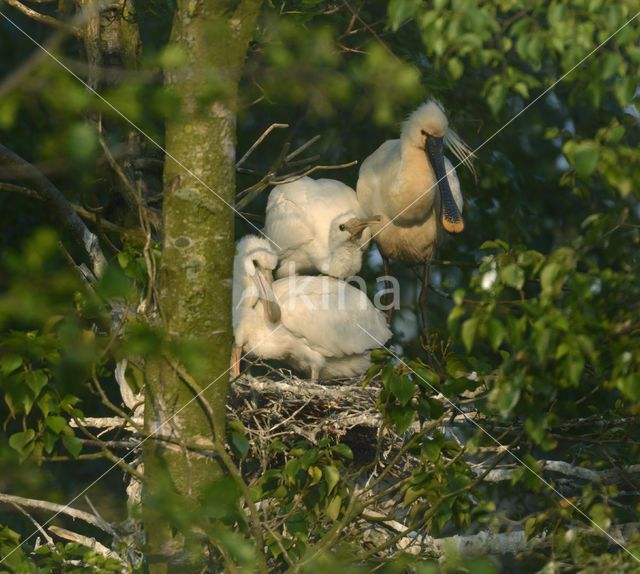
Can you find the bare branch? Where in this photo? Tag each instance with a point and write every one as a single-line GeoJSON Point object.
{"type": "Point", "coordinates": [296, 152]}
{"type": "Point", "coordinates": [53, 507]}
{"type": "Point", "coordinates": [564, 468]}
{"type": "Point", "coordinates": [39, 528]}
{"type": "Point", "coordinates": [54, 197]}
{"type": "Point", "coordinates": [259, 141]}
{"type": "Point", "coordinates": [91, 543]}
{"type": "Point", "coordinates": [44, 18]}
{"type": "Point", "coordinates": [81, 211]}
{"type": "Point", "coordinates": [284, 161]}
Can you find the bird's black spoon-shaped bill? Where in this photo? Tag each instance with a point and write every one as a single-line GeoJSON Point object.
{"type": "Point", "coordinates": [450, 215]}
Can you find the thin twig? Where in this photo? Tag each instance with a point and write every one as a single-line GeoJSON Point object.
{"type": "Point", "coordinates": [44, 18]}
{"type": "Point", "coordinates": [259, 141]}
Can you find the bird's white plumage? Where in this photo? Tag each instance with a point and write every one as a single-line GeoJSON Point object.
{"type": "Point", "coordinates": [397, 182]}
{"type": "Point", "coordinates": [326, 326]}
{"type": "Point", "coordinates": [303, 219]}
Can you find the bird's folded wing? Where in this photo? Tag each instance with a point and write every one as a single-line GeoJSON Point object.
{"type": "Point", "coordinates": [286, 224]}
{"type": "Point", "coordinates": [334, 317]}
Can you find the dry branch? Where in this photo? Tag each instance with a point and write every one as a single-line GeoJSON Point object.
{"type": "Point", "coordinates": [44, 18]}
{"type": "Point", "coordinates": [56, 508]}
{"type": "Point", "coordinates": [87, 541]}
{"type": "Point", "coordinates": [564, 468]}
{"type": "Point", "coordinates": [54, 197]}
{"type": "Point", "coordinates": [285, 160]}
{"type": "Point", "coordinates": [81, 211]}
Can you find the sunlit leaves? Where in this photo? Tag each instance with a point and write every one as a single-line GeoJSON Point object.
{"type": "Point", "coordinates": [583, 156]}
{"type": "Point", "coordinates": [401, 10]}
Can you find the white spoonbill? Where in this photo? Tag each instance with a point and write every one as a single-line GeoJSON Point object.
{"type": "Point", "coordinates": [318, 324]}
{"type": "Point", "coordinates": [318, 227]}
{"type": "Point", "coordinates": [407, 182]}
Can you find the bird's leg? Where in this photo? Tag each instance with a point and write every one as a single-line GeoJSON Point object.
{"type": "Point", "coordinates": [388, 285]}
{"type": "Point", "coordinates": [423, 302]}
{"type": "Point", "coordinates": [315, 374]}
{"type": "Point", "coordinates": [236, 354]}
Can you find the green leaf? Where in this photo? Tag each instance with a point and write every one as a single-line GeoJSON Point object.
{"type": "Point", "coordinates": [332, 477]}
{"type": "Point", "coordinates": [495, 332]}
{"type": "Point", "coordinates": [18, 395]}
{"type": "Point", "coordinates": [36, 380]}
{"type": "Point", "coordinates": [333, 508]}
{"type": "Point", "coordinates": [513, 276]}
{"type": "Point", "coordinates": [401, 10]}
{"type": "Point", "coordinates": [401, 418]}
{"type": "Point", "coordinates": [457, 366]}
{"type": "Point", "coordinates": [437, 408]}
{"type": "Point", "coordinates": [82, 141]}
{"type": "Point", "coordinates": [432, 450]}
{"type": "Point", "coordinates": [496, 98]}
{"type": "Point", "coordinates": [625, 89]}
{"type": "Point", "coordinates": [123, 259]}
{"type": "Point", "coordinates": [379, 355]}
{"type": "Point", "coordinates": [412, 494]}
{"type": "Point", "coordinates": [9, 363]}
{"type": "Point", "coordinates": [20, 441]}
{"type": "Point", "coordinates": [315, 474]}
{"type": "Point", "coordinates": [548, 277]}
{"type": "Point", "coordinates": [456, 68]}
{"type": "Point", "coordinates": [343, 450]}
{"type": "Point", "coordinates": [56, 423]}
{"type": "Point", "coordinates": [542, 341]}
{"type": "Point", "coordinates": [388, 373]}
{"type": "Point", "coordinates": [601, 515]}
{"type": "Point", "coordinates": [495, 244]}
{"type": "Point", "coordinates": [505, 396]}
{"type": "Point", "coordinates": [72, 444]}
{"type": "Point", "coordinates": [469, 328]}
{"type": "Point", "coordinates": [240, 444]}
{"type": "Point", "coordinates": [425, 376]}
{"type": "Point", "coordinates": [585, 158]}
{"type": "Point", "coordinates": [403, 388]}
{"type": "Point", "coordinates": [630, 386]}
{"type": "Point", "coordinates": [535, 427]}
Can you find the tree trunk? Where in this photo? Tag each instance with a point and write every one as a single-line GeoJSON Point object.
{"type": "Point", "coordinates": [194, 285]}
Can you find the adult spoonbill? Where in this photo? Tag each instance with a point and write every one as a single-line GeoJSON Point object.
{"type": "Point", "coordinates": [318, 227]}
{"type": "Point", "coordinates": [415, 190]}
{"type": "Point", "coordinates": [318, 324]}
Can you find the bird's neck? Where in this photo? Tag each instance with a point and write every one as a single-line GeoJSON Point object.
{"type": "Point", "coordinates": [244, 293]}
{"type": "Point", "coordinates": [414, 192]}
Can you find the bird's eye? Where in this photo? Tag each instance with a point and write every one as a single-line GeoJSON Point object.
{"type": "Point", "coordinates": [342, 227]}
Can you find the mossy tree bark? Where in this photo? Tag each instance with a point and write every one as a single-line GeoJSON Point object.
{"type": "Point", "coordinates": [194, 284]}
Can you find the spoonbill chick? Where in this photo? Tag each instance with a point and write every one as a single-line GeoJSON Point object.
{"type": "Point", "coordinates": [318, 226]}
{"type": "Point", "coordinates": [415, 189]}
{"type": "Point", "coordinates": [317, 324]}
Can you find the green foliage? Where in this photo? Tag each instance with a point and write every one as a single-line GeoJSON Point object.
{"type": "Point", "coordinates": [68, 558]}
{"type": "Point", "coordinates": [534, 311]}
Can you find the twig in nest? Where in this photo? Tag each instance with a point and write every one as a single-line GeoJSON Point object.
{"type": "Point", "coordinates": [285, 161]}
